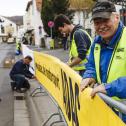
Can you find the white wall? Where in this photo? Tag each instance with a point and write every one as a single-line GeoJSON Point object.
{"type": "Point", "coordinates": [27, 19]}
{"type": "Point", "coordinates": [36, 23]}
{"type": "Point", "coordinates": [7, 23]}
{"type": "Point", "coordinates": [78, 18]}
{"type": "Point", "coordinates": [32, 20]}
{"type": "Point", "coordinates": [21, 32]}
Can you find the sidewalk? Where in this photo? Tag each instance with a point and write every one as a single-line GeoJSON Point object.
{"type": "Point", "coordinates": [41, 107]}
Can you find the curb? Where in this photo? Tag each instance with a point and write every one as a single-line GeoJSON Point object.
{"type": "Point", "coordinates": [21, 115]}
{"type": "Point", "coordinates": [35, 116]}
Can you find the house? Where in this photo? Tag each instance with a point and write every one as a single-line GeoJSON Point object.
{"type": "Point", "coordinates": [7, 27]}
{"type": "Point", "coordinates": [32, 20]}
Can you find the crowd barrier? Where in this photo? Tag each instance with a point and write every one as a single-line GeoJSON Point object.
{"type": "Point", "coordinates": [63, 85]}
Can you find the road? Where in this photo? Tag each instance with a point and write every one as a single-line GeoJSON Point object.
{"type": "Point", "coordinates": [7, 104]}
{"type": "Point", "coordinates": [63, 55]}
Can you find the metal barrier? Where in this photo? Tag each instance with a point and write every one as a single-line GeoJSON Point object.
{"type": "Point", "coordinates": [119, 105]}
{"type": "Point", "coordinates": [38, 90]}
{"type": "Point", "coordinates": [59, 113]}
{"type": "Point", "coordinates": [41, 89]}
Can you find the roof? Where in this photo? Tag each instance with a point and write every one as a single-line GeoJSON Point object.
{"type": "Point", "coordinates": [81, 4]}
{"type": "Point", "coordinates": [3, 18]}
{"type": "Point", "coordinates": [28, 5]}
{"type": "Point", "coordinates": [16, 19]}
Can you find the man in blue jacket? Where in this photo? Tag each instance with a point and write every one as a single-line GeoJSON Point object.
{"type": "Point", "coordinates": [107, 60]}
{"type": "Point", "coordinates": [20, 72]}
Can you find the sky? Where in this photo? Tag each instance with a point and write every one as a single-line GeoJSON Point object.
{"type": "Point", "coordinates": [13, 7]}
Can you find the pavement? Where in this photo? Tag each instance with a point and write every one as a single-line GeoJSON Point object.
{"type": "Point", "coordinates": [34, 107]}
{"type": "Point", "coordinates": [6, 105]}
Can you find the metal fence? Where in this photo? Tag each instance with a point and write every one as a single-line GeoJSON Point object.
{"type": "Point", "coordinates": [119, 105]}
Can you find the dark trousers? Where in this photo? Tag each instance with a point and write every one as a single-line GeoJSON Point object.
{"type": "Point", "coordinates": [21, 82]}
{"type": "Point", "coordinates": [64, 42]}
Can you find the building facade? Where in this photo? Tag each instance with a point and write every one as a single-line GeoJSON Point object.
{"type": "Point", "coordinates": [7, 27]}
{"type": "Point", "coordinates": [32, 20]}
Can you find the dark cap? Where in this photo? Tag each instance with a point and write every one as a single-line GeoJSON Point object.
{"type": "Point", "coordinates": [103, 9]}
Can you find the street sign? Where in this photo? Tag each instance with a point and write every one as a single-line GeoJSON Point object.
{"type": "Point", "coordinates": [50, 24]}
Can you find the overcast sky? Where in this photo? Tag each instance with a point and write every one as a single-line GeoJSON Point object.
{"type": "Point", "coordinates": [12, 7]}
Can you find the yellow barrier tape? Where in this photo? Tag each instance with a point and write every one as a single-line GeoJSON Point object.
{"type": "Point", "coordinates": [63, 84]}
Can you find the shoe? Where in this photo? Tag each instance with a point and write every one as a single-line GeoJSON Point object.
{"type": "Point", "coordinates": [13, 85]}
{"type": "Point", "coordinates": [24, 90]}
{"type": "Point", "coordinates": [21, 90]}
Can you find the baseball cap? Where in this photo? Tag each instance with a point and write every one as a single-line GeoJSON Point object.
{"type": "Point", "coordinates": [103, 9]}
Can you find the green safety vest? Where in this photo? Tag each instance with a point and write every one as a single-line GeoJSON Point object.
{"type": "Point", "coordinates": [73, 53]}
{"type": "Point", "coordinates": [117, 65]}
{"type": "Point", "coordinates": [17, 45]}
{"type": "Point", "coordinates": [52, 43]}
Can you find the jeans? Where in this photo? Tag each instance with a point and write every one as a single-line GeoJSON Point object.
{"type": "Point", "coordinates": [21, 82]}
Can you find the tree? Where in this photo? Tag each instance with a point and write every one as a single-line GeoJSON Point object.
{"type": "Point", "coordinates": [52, 8]}
{"type": "Point", "coordinates": [62, 6]}
{"type": "Point", "coordinates": [47, 14]}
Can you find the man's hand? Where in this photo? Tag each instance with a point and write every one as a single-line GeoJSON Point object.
{"type": "Point", "coordinates": [75, 61]}
{"type": "Point", "coordinates": [34, 77]}
{"type": "Point", "coordinates": [87, 82]}
{"type": "Point", "coordinates": [99, 88]}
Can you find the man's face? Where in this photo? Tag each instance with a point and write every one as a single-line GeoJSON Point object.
{"type": "Point", "coordinates": [106, 28]}
{"type": "Point", "coordinates": [63, 29]}
{"type": "Point", "coordinates": [27, 61]}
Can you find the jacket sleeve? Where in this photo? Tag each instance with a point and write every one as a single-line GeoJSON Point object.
{"type": "Point", "coordinates": [28, 74]}
{"type": "Point", "coordinates": [90, 66]}
{"type": "Point", "coordinates": [82, 42]}
{"type": "Point", "coordinates": [117, 88]}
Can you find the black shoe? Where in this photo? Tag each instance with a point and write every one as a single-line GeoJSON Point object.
{"type": "Point", "coordinates": [24, 90]}
{"type": "Point", "coordinates": [21, 90]}
{"type": "Point", "coordinates": [13, 85]}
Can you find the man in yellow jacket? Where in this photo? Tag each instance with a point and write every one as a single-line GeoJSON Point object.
{"type": "Point", "coordinates": [80, 42]}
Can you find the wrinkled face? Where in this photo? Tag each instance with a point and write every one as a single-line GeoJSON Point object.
{"type": "Point", "coordinates": [64, 29]}
{"type": "Point", "coordinates": [106, 28]}
{"type": "Point", "coordinates": [27, 61]}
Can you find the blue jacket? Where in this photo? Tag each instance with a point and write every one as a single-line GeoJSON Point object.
{"type": "Point", "coordinates": [21, 68]}
{"type": "Point", "coordinates": [117, 87]}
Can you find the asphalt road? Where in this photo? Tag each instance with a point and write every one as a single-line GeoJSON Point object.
{"type": "Point", "coordinates": [7, 103]}
{"type": "Point", "coordinates": [61, 54]}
